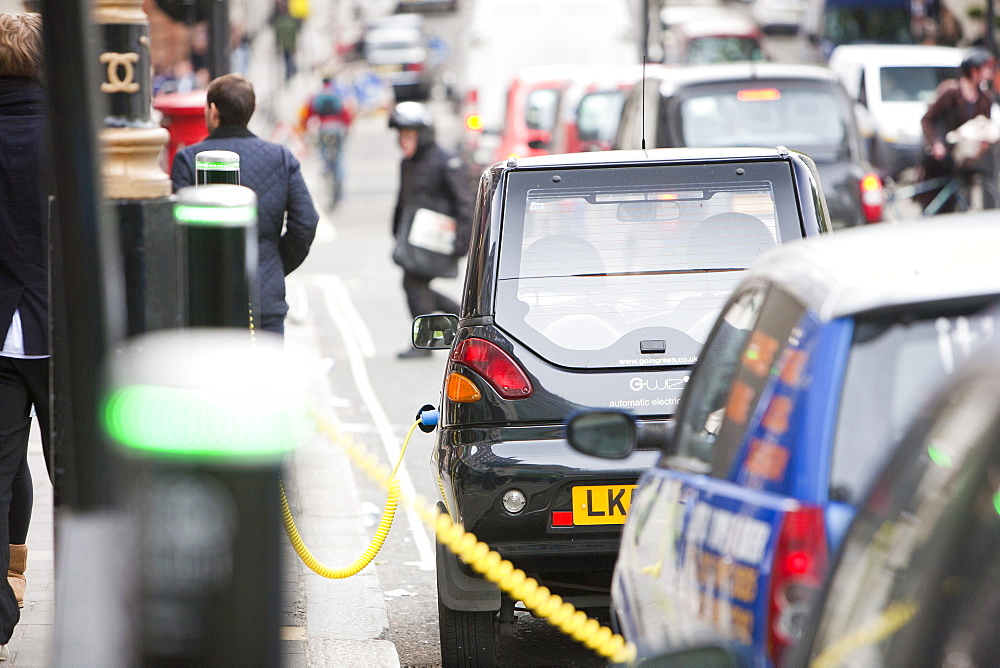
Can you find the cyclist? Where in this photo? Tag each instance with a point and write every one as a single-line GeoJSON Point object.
{"type": "Point", "coordinates": [956, 103]}
{"type": "Point", "coordinates": [329, 111]}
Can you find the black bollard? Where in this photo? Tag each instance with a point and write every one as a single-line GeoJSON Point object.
{"type": "Point", "coordinates": [219, 250]}
{"type": "Point", "coordinates": [206, 418]}
{"type": "Point", "coordinates": [217, 167]}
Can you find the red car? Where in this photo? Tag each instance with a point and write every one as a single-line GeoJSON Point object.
{"type": "Point", "coordinates": [530, 117]}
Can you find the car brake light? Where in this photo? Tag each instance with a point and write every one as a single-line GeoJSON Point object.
{"type": "Point", "coordinates": [495, 366]}
{"type": "Point", "coordinates": [461, 390]}
{"type": "Point", "coordinates": [758, 95]}
{"type": "Point", "coordinates": [414, 67]}
{"type": "Point", "coordinates": [872, 197]}
{"type": "Point", "coordinates": [799, 566]}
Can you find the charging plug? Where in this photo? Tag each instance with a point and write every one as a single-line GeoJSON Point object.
{"type": "Point", "coordinates": [428, 416]}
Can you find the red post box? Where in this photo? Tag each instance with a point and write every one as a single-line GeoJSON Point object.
{"type": "Point", "coordinates": [184, 119]}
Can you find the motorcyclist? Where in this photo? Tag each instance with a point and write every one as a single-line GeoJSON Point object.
{"type": "Point", "coordinates": [956, 103]}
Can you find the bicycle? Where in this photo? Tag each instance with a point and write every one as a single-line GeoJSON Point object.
{"type": "Point", "coordinates": [962, 191]}
{"type": "Point", "coordinates": [330, 144]}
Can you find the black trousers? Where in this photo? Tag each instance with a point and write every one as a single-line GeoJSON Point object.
{"type": "Point", "coordinates": [422, 300]}
{"type": "Point", "coordinates": [22, 383]}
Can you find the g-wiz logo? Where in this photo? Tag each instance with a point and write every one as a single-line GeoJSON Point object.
{"type": "Point", "coordinates": [657, 384]}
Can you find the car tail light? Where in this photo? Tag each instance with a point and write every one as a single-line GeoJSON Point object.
{"type": "Point", "coordinates": [872, 197]}
{"type": "Point", "coordinates": [799, 567]}
{"type": "Point", "coordinates": [414, 67]}
{"type": "Point", "coordinates": [495, 366]}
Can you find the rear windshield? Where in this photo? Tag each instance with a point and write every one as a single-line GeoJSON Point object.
{"type": "Point", "coordinates": [811, 119]}
{"type": "Point", "coordinates": [913, 84]}
{"type": "Point", "coordinates": [706, 50]}
{"type": "Point", "coordinates": [895, 366]}
{"type": "Point", "coordinates": [596, 272]}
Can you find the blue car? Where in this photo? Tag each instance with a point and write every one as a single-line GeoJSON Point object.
{"type": "Point", "coordinates": [822, 356]}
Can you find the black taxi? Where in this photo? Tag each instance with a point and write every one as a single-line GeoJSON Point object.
{"type": "Point", "coordinates": [593, 280]}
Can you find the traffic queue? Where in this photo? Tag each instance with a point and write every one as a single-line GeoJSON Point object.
{"type": "Point", "coordinates": [774, 359]}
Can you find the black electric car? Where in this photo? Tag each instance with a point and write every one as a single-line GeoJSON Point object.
{"type": "Point", "coordinates": [593, 280]}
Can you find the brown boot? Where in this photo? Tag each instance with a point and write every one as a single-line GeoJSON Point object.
{"type": "Point", "coordinates": [15, 572]}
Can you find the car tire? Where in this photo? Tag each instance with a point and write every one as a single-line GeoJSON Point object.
{"type": "Point", "coordinates": [467, 638]}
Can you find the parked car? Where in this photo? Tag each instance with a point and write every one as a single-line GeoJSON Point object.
{"type": "Point", "coordinates": [713, 39]}
{"type": "Point", "coordinates": [916, 583]}
{"type": "Point", "coordinates": [802, 107]}
{"type": "Point", "coordinates": [822, 357]}
{"type": "Point", "coordinates": [502, 37]}
{"type": "Point", "coordinates": [894, 84]}
{"type": "Point", "coordinates": [398, 53]}
{"type": "Point", "coordinates": [590, 108]}
{"type": "Point", "coordinates": [592, 281]}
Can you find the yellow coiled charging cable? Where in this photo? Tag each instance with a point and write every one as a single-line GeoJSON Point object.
{"type": "Point", "coordinates": [388, 514]}
{"type": "Point", "coordinates": [512, 581]}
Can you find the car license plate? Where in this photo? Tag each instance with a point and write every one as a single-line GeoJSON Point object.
{"type": "Point", "coordinates": [389, 68]}
{"type": "Point", "coordinates": [601, 504]}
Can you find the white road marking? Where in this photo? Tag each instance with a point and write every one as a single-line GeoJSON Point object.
{"type": "Point", "coordinates": [359, 346]}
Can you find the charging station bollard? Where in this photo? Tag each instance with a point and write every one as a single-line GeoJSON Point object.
{"type": "Point", "coordinates": [217, 167]}
{"type": "Point", "coordinates": [219, 246]}
{"type": "Point", "coordinates": [205, 419]}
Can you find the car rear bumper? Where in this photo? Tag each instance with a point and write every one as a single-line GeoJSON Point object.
{"type": "Point", "coordinates": [477, 467]}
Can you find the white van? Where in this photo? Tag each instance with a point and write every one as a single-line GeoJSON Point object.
{"type": "Point", "coordinates": [504, 36]}
{"type": "Point", "coordinates": [892, 85]}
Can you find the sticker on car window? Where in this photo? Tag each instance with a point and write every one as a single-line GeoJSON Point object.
{"type": "Point", "coordinates": [760, 353]}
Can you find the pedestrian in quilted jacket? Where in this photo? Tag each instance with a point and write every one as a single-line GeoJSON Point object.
{"type": "Point", "coordinates": [286, 217]}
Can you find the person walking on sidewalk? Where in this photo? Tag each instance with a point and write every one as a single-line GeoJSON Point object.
{"type": "Point", "coordinates": [286, 217]}
{"type": "Point", "coordinates": [432, 222]}
{"type": "Point", "coordinates": [24, 283]}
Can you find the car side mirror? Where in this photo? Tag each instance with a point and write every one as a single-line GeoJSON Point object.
{"type": "Point", "coordinates": [435, 332]}
{"type": "Point", "coordinates": [607, 434]}
{"type": "Point", "coordinates": [540, 139]}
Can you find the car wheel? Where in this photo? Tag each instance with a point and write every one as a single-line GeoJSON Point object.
{"type": "Point", "coordinates": [467, 638]}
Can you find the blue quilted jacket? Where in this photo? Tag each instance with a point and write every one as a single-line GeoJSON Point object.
{"type": "Point", "coordinates": [271, 171]}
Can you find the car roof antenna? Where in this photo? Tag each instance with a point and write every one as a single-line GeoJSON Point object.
{"type": "Point", "coordinates": [643, 103]}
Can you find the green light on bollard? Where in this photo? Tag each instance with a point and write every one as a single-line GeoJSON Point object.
{"type": "Point", "coordinates": [239, 216]}
{"type": "Point", "coordinates": [189, 423]}
{"type": "Point", "coordinates": [206, 394]}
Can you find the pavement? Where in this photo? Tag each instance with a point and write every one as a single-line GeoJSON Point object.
{"type": "Point", "coordinates": [324, 622]}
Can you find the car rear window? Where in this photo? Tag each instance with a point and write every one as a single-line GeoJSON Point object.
{"type": "Point", "coordinates": [897, 362]}
{"type": "Point", "coordinates": [809, 118]}
{"type": "Point", "coordinates": [913, 83]}
{"type": "Point", "coordinates": [633, 258]}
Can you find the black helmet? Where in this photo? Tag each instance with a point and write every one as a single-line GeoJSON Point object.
{"type": "Point", "coordinates": [974, 60]}
{"type": "Point", "coordinates": [411, 115]}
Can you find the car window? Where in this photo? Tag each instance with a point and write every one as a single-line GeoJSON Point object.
{"type": "Point", "coordinates": [597, 115]}
{"type": "Point", "coordinates": [920, 561]}
{"type": "Point", "coordinates": [913, 83]}
{"type": "Point", "coordinates": [540, 108]}
{"type": "Point", "coordinates": [590, 276]}
{"type": "Point", "coordinates": [806, 118]}
{"type": "Point", "coordinates": [895, 365]}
